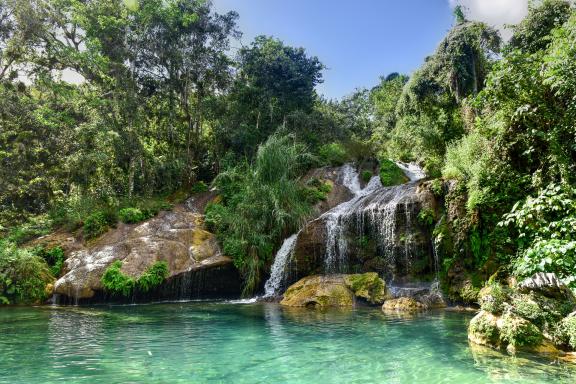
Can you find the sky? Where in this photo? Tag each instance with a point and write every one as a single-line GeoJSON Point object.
{"type": "Point", "coordinates": [361, 40]}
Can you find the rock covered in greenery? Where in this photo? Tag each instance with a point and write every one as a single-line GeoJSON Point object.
{"type": "Point", "coordinates": [534, 315]}
{"type": "Point", "coordinates": [175, 239]}
{"type": "Point", "coordinates": [368, 286]}
{"type": "Point", "coordinates": [404, 304]}
{"type": "Point", "coordinates": [391, 174]}
{"type": "Point", "coordinates": [324, 291]}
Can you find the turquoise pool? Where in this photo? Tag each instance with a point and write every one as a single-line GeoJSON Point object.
{"type": "Point", "coordinates": [202, 342]}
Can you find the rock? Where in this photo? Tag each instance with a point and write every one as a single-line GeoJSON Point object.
{"type": "Point", "coordinates": [368, 286]}
{"type": "Point", "coordinates": [492, 298]}
{"type": "Point", "coordinates": [319, 292]}
{"type": "Point", "coordinates": [176, 237]}
{"type": "Point", "coordinates": [483, 330]}
{"type": "Point", "coordinates": [404, 304]}
{"type": "Point", "coordinates": [517, 332]}
{"type": "Point", "coordinates": [547, 284]}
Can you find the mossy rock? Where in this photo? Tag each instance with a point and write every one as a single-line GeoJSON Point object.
{"type": "Point", "coordinates": [483, 329]}
{"type": "Point", "coordinates": [516, 331]}
{"type": "Point", "coordinates": [492, 298]}
{"type": "Point", "coordinates": [319, 292]}
{"type": "Point", "coordinates": [368, 286]}
{"type": "Point", "coordinates": [391, 174]}
{"type": "Point", "coordinates": [404, 304]}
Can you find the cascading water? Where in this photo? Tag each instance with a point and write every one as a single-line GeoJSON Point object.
{"type": "Point", "coordinates": [278, 274]}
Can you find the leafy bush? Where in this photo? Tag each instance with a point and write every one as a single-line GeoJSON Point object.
{"type": "Point", "coordinates": [492, 297]}
{"type": "Point", "coordinates": [261, 203]}
{"type": "Point", "coordinates": [54, 257]}
{"type": "Point", "coordinates": [98, 223]}
{"type": "Point", "coordinates": [131, 215]}
{"type": "Point", "coordinates": [199, 187]}
{"type": "Point", "coordinates": [23, 276]}
{"type": "Point", "coordinates": [545, 233]}
{"type": "Point", "coordinates": [391, 174]}
{"type": "Point", "coordinates": [153, 276]}
{"type": "Point", "coordinates": [333, 154]}
{"type": "Point", "coordinates": [116, 282]}
{"type": "Point", "coordinates": [519, 332]}
{"type": "Point", "coordinates": [426, 217]}
{"type": "Point", "coordinates": [366, 176]}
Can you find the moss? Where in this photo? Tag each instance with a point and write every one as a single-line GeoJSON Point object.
{"type": "Point", "coordinates": [366, 176]}
{"type": "Point", "coordinates": [567, 332]}
{"type": "Point", "coordinates": [469, 293]}
{"type": "Point", "coordinates": [404, 304]}
{"type": "Point", "coordinates": [391, 174]}
{"type": "Point", "coordinates": [318, 292]}
{"type": "Point", "coordinates": [484, 328]}
{"type": "Point", "coordinates": [492, 298]}
{"type": "Point", "coordinates": [519, 332]}
{"type": "Point", "coordinates": [367, 286]}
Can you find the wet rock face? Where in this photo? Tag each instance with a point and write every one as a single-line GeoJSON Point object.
{"type": "Point", "coordinates": [176, 237]}
{"type": "Point", "coordinates": [381, 233]}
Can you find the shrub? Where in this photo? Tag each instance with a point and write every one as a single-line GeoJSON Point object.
{"type": "Point", "coordinates": [566, 332]}
{"type": "Point", "coordinates": [333, 154]}
{"type": "Point", "coordinates": [54, 257]}
{"type": "Point", "coordinates": [436, 187]}
{"type": "Point", "coordinates": [199, 187]}
{"type": "Point", "coordinates": [485, 326]}
{"type": "Point", "coordinates": [391, 174]}
{"type": "Point", "coordinates": [426, 217]}
{"type": "Point", "coordinates": [519, 332]}
{"type": "Point", "coordinates": [116, 282]}
{"type": "Point", "coordinates": [153, 276]}
{"type": "Point", "coordinates": [131, 215]}
{"type": "Point", "coordinates": [492, 298]}
{"type": "Point", "coordinates": [23, 276]}
{"type": "Point", "coordinates": [366, 176]}
{"type": "Point", "coordinates": [98, 223]}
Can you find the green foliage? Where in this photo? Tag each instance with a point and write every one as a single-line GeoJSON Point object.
{"type": "Point", "coordinates": [492, 297]}
{"type": "Point", "coordinates": [482, 325]}
{"type": "Point", "coordinates": [317, 190]}
{"type": "Point", "coordinates": [54, 257]}
{"type": "Point", "coordinates": [566, 332]}
{"type": "Point", "coordinates": [98, 223]}
{"type": "Point", "coordinates": [426, 217]}
{"type": "Point", "coordinates": [117, 283]}
{"type": "Point", "coordinates": [131, 215]}
{"type": "Point", "coordinates": [199, 187]}
{"type": "Point", "coordinates": [545, 233]}
{"type": "Point", "coordinates": [366, 176]}
{"type": "Point", "coordinates": [333, 154]}
{"type": "Point", "coordinates": [519, 332]}
{"type": "Point", "coordinates": [153, 276]}
{"type": "Point", "coordinates": [23, 276]}
{"type": "Point", "coordinates": [262, 202]}
{"type": "Point", "coordinates": [391, 174]}
{"type": "Point", "coordinates": [437, 187]}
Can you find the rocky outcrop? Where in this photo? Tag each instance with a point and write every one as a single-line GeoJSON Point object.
{"type": "Point", "coordinates": [176, 237]}
{"type": "Point", "coordinates": [532, 316]}
{"type": "Point", "coordinates": [325, 291]}
{"type": "Point", "coordinates": [403, 304]}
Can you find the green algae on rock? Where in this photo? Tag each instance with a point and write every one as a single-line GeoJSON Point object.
{"type": "Point", "coordinates": [404, 304]}
{"type": "Point", "coordinates": [335, 291]}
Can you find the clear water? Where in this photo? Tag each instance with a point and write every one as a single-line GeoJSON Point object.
{"type": "Point", "coordinates": [250, 343]}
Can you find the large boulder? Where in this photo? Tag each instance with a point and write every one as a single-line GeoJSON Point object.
{"type": "Point", "coordinates": [547, 284]}
{"type": "Point", "coordinates": [176, 237]}
{"type": "Point", "coordinates": [324, 291]}
{"type": "Point", "coordinates": [403, 304]}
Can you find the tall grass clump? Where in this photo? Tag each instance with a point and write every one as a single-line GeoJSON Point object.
{"type": "Point", "coordinates": [261, 203]}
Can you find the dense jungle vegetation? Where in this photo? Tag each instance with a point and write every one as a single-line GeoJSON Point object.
{"type": "Point", "coordinates": [167, 108]}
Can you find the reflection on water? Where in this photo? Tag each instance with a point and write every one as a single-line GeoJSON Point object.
{"type": "Point", "coordinates": [252, 343]}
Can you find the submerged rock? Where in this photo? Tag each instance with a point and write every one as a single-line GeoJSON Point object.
{"type": "Point", "coordinates": [176, 237]}
{"type": "Point", "coordinates": [324, 291]}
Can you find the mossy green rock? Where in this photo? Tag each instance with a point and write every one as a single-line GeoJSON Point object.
{"type": "Point", "coordinates": [404, 304]}
{"type": "Point", "coordinates": [391, 174]}
{"type": "Point", "coordinates": [368, 286]}
{"type": "Point", "coordinates": [492, 297]}
{"type": "Point", "coordinates": [319, 292]}
{"type": "Point", "coordinates": [335, 291]}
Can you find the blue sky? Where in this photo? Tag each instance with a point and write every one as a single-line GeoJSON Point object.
{"type": "Point", "coordinates": [360, 40]}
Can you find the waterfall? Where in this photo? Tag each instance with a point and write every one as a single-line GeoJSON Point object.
{"type": "Point", "coordinates": [277, 280]}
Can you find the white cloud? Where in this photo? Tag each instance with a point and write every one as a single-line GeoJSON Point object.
{"type": "Point", "coordinates": [497, 13]}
